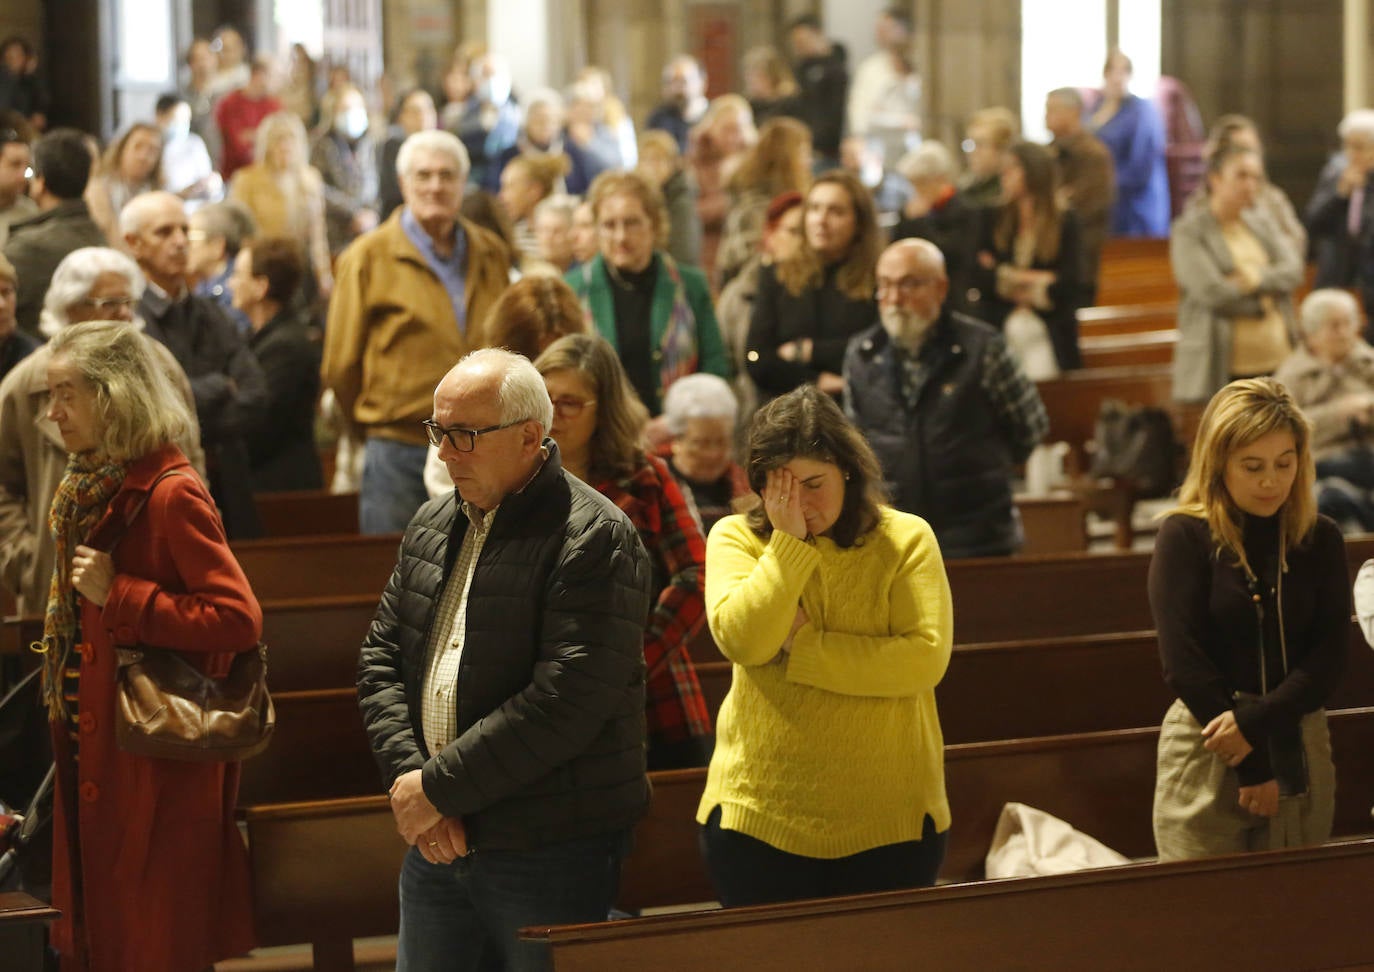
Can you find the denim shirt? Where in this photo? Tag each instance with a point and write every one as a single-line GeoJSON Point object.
{"type": "Point", "coordinates": [452, 272]}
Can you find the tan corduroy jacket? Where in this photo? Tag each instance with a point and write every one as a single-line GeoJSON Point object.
{"type": "Point", "coordinates": [392, 334]}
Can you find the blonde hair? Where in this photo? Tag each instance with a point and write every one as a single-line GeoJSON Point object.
{"type": "Point", "coordinates": [773, 66]}
{"type": "Point", "coordinates": [1000, 123]}
{"type": "Point", "coordinates": [142, 411]}
{"type": "Point", "coordinates": [1236, 416]}
{"type": "Point", "coordinates": [615, 183]}
{"type": "Point", "coordinates": [617, 448]}
{"type": "Point", "coordinates": [777, 161]}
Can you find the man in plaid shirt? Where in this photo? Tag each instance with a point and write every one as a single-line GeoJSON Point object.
{"type": "Point", "coordinates": [945, 405]}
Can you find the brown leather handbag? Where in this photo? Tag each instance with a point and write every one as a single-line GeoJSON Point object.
{"type": "Point", "coordinates": [168, 707]}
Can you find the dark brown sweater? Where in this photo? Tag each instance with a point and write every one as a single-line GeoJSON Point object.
{"type": "Point", "coordinates": [1209, 627]}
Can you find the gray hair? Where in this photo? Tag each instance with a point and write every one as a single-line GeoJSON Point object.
{"type": "Point", "coordinates": [138, 210]}
{"type": "Point", "coordinates": [1359, 123]}
{"type": "Point", "coordinates": [434, 140]}
{"type": "Point", "coordinates": [700, 395]}
{"type": "Point", "coordinates": [1320, 306]}
{"type": "Point", "coordinates": [522, 393]}
{"type": "Point", "coordinates": [142, 410]}
{"type": "Point", "coordinates": [74, 278]}
{"type": "Point", "coordinates": [228, 221]}
{"type": "Point", "coordinates": [1068, 96]}
{"type": "Point", "coordinates": [929, 160]}
{"type": "Point", "coordinates": [544, 96]}
{"type": "Point", "coordinates": [562, 206]}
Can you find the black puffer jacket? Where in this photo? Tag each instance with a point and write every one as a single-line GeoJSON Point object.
{"type": "Point", "coordinates": [550, 740]}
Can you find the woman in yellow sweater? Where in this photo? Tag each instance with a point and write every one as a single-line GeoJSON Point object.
{"type": "Point", "coordinates": [828, 773]}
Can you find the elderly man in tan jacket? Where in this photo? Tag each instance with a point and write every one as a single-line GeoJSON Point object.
{"type": "Point", "coordinates": [1331, 375]}
{"type": "Point", "coordinates": [410, 298]}
{"type": "Point", "coordinates": [92, 283]}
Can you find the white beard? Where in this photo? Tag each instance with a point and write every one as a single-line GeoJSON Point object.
{"type": "Point", "coordinates": [905, 327]}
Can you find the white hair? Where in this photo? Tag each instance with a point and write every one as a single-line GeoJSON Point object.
{"type": "Point", "coordinates": [929, 160]}
{"type": "Point", "coordinates": [562, 206]}
{"type": "Point", "coordinates": [522, 392]}
{"type": "Point", "coordinates": [1359, 123]}
{"type": "Point", "coordinates": [76, 275]}
{"type": "Point", "coordinates": [433, 140]}
{"type": "Point", "coordinates": [544, 96]}
{"type": "Point", "coordinates": [698, 396]}
{"type": "Point", "coordinates": [1320, 306]}
{"type": "Point", "coordinates": [138, 210]}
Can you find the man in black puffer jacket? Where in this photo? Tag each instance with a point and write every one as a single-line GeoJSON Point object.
{"type": "Point", "coordinates": [502, 681]}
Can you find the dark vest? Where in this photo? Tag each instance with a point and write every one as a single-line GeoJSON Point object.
{"type": "Point", "coordinates": [947, 460]}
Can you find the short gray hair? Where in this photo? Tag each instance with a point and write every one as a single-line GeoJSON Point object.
{"type": "Point", "coordinates": [143, 411]}
{"type": "Point", "coordinates": [561, 206]}
{"type": "Point", "coordinates": [136, 212]}
{"type": "Point", "coordinates": [522, 392]}
{"type": "Point", "coordinates": [1068, 96]}
{"type": "Point", "coordinates": [1320, 306]}
{"type": "Point", "coordinates": [434, 140]}
{"type": "Point", "coordinates": [929, 160]}
{"type": "Point", "coordinates": [74, 278]}
{"type": "Point", "coordinates": [1359, 123]}
{"type": "Point", "coordinates": [228, 221]}
{"type": "Point", "coordinates": [699, 395]}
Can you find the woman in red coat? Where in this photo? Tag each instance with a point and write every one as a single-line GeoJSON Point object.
{"type": "Point", "coordinates": [149, 870]}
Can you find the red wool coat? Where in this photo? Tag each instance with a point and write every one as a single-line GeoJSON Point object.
{"type": "Point", "coordinates": [163, 871]}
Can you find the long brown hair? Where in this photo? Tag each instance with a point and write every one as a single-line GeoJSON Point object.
{"type": "Point", "coordinates": [1236, 416]}
{"type": "Point", "coordinates": [1042, 184]}
{"type": "Point", "coordinates": [807, 424]}
{"type": "Point", "coordinates": [856, 274]}
{"type": "Point", "coordinates": [532, 313]}
{"type": "Point", "coordinates": [617, 448]}
{"type": "Point", "coordinates": [776, 162]}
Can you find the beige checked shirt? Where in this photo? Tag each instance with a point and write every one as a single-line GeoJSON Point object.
{"type": "Point", "coordinates": [439, 699]}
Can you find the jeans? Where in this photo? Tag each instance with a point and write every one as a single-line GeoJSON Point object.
{"type": "Point", "coordinates": [393, 485]}
{"type": "Point", "coordinates": [1344, 482]}
{"type": "Point", "coordinates": [466, 915]}
{"type": "Point", "coordinates": [747, 871]}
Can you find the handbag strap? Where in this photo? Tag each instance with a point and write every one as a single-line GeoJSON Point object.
{"type": "Point", "coordinates": [129, 518]}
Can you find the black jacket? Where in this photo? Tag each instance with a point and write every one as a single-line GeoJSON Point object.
{"type": "Point", "coordinates": [38, 244]}
{"type": "Point", "coordinates": [953, 227]}
{"type": "Point", "coordinates": [281, 447]}
{"type": "Point", "coordinates": [824, 83]}
{"type": "Point", "coordinates": [823, 314]}
{"type": "Point", "coordinates": [230, 392]}
{"type": "Point", "coordinates": [950, 459]}
{"type": "Point", "coordinates": [1342, 259]}
{"type": "Point", "coordinates": [550, 694]}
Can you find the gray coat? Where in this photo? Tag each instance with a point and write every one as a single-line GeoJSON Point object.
{"type": "Point", "coordinates": [1208, 301]}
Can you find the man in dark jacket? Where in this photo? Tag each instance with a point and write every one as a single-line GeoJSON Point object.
{"type": "Point", "coordinates": [823, 76]}
{"type": "Point", "coordinates": [61, 167]}
{"type": "Point", "coordinates": [228, 382]}
{"type": "Point", "coordinates": [945, 406]}
{"type": "Point", "coordinates": [502, 682]}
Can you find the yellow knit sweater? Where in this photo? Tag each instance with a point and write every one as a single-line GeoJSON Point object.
{"type": "Point", "coordinates": [834, 747]}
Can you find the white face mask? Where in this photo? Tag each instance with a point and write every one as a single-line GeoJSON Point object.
{"type": "Point", "coordinates": [352, 123]}
{"type": "Point", "coordinates": [494, 90]}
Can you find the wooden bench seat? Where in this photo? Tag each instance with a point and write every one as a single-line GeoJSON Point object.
{"type": "Point", "coordinates": [1128, 350]}
{"type": "Point", "coordinates": [329, 869]}
{"type": "Point", "coordinates": [1121, 319]}
{"type": "Point", "coordinates": [1264, 912]}
{"type": "Point", "coordinates": [307, 512]}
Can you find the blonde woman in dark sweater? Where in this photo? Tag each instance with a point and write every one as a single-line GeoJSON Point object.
{"type": "Point", "coordinates": [1251, 599]}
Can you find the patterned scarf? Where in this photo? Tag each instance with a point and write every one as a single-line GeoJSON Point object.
{"type": "Point", "coordinates": [678, 347]}
{"type": "Point", "coordinates": [87, 487]}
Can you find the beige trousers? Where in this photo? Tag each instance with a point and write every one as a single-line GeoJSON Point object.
{"type": "Point", "coordinates": [1196, 810]}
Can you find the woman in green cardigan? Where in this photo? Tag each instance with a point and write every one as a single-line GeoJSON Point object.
{"type": "Point", "coordinates": [654, 311]}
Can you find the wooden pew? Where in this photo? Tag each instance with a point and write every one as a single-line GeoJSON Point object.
{"type": "Point", "coordinates": [1128, 350]}
{"type": "Point", "coordinates": [23, 920]}
{"type": "Point", "coordinates": [1073, 399]}
{"type": "Point", "coordinates": [309, 512]}
{"type": "Point", "coordinates": [1262, 912]}
{"type": "Point", "coordinates": [1119, 319]}
{"type": "Point", "coordinates": [1053, 523]}
{"type": "Point", "coordinates": [328, 870]}
{"type": "Point", "coordinates": [294, 567]}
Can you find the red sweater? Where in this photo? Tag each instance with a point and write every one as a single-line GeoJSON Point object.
{"type": "Point", "coordinates": [238, 117]}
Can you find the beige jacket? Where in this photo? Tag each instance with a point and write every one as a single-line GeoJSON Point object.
{"type": "Point", "coordinates": [32, 461]}
{"type": "Point", "coordinates": [392, 334]}
{"type": "Point", "coordinates": [1321, 390]}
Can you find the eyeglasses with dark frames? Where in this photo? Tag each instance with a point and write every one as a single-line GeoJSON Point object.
{"type": "Point", "coordinates": [464, 440]}
{"type": "Point", "coordinates": [571, 407]}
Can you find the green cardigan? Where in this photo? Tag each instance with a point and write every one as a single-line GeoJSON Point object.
{"type": "Point", "coordinates": [593, 288]}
